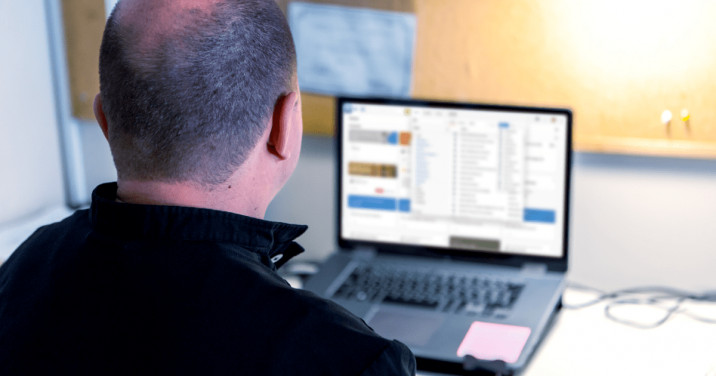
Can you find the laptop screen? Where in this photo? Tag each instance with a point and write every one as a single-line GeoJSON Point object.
{"type": "Point", "coordinates": [454, 176]}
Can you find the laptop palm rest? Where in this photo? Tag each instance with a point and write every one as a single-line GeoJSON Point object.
{"type": "Point", "coordinates": [407, 327]}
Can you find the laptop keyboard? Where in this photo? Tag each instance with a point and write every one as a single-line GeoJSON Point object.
{"type": "Point", "coordinates": [431, 290]}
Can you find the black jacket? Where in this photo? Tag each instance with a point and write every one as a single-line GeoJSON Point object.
{"type": "Point", "coordinates": [138, 289]}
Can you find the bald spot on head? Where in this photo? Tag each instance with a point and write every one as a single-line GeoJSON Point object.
{"type": "Point", "coordinates": [149, 26]}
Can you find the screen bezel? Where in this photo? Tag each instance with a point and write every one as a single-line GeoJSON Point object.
{"type": "Point", "coordinates": [552, 263]}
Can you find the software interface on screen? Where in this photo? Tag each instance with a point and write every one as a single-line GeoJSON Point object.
{"type": "Point", "coordinates": [465, 179]}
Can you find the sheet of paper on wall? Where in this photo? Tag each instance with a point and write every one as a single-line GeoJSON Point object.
{"type": "Point", "coordinates": [353, 51]}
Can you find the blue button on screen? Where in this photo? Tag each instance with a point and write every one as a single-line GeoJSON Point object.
{"type": "Point", "coordinates": [372, 202]}
{"type": "Point", "coordinates": [540, 215]}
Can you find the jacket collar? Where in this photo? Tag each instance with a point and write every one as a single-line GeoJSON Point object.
{"type": "Point", "coordinates": [133, 221]}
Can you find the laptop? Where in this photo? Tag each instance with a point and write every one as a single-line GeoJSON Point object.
{"type": "Point", "coordinates": [452, 226]}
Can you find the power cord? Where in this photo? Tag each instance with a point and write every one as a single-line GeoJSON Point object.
{"type": "Point", "coordinates": [668, 299]}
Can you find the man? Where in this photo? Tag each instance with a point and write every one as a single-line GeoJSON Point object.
{"type": "Point", "coordinates": [172, 270]}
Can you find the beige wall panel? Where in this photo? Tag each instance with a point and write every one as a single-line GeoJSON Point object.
{"type": "Point", "coordinates": [617, 64]}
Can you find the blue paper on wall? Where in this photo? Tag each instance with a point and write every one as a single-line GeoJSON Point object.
{"type": "Point", "coordinates": [353, 51]}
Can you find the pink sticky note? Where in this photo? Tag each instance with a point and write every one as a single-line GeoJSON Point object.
{"type": "Point", "coordinates": [487, 341]}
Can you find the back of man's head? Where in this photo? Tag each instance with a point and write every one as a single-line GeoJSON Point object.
{"type": "Point", "coordinates": [187, 86]}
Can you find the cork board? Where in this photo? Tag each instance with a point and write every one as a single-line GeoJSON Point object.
{"type": "Point", "coordinates": [617, 65]}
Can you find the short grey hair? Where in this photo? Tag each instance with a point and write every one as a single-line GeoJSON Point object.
{"type": "Point", "coordinates": [192, 108]}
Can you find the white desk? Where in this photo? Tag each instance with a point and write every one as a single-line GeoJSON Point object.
{"type": "Point", "coordinates": [585, 342]}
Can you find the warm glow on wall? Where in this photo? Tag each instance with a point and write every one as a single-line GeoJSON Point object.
{"type": "Point", "coordinates": [632, 40]}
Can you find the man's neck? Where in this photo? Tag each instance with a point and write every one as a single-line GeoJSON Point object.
{"type": "Point", "coordinates": [226, 197]}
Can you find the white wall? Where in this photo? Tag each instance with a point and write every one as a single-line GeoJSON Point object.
{"type": "Point", "coordinates": [641, 220]}
{"type": "Point", "coordinates": [30, 165]}
{"type": "Point", "coordinates": [308, 197]}
{"type": "Point", "coordinates": [635, 220]}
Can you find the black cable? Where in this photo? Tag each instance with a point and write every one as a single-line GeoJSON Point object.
{"type": "Point", "coordinates": [667, 298]}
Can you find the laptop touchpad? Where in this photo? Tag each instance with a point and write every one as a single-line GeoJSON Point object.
{"type": "Point", "coordinates": [411, 329]}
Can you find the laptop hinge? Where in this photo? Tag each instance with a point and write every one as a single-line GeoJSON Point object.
{"type": "Point", "coordinates": [534, 269]}
{"type": "Point", "coordinates": [364, 253]}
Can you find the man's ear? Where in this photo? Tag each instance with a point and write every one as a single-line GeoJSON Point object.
{"type": "Point", "coordinates": [99, 115]}
{"type": "Point", "coordinates": [282, 122]}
